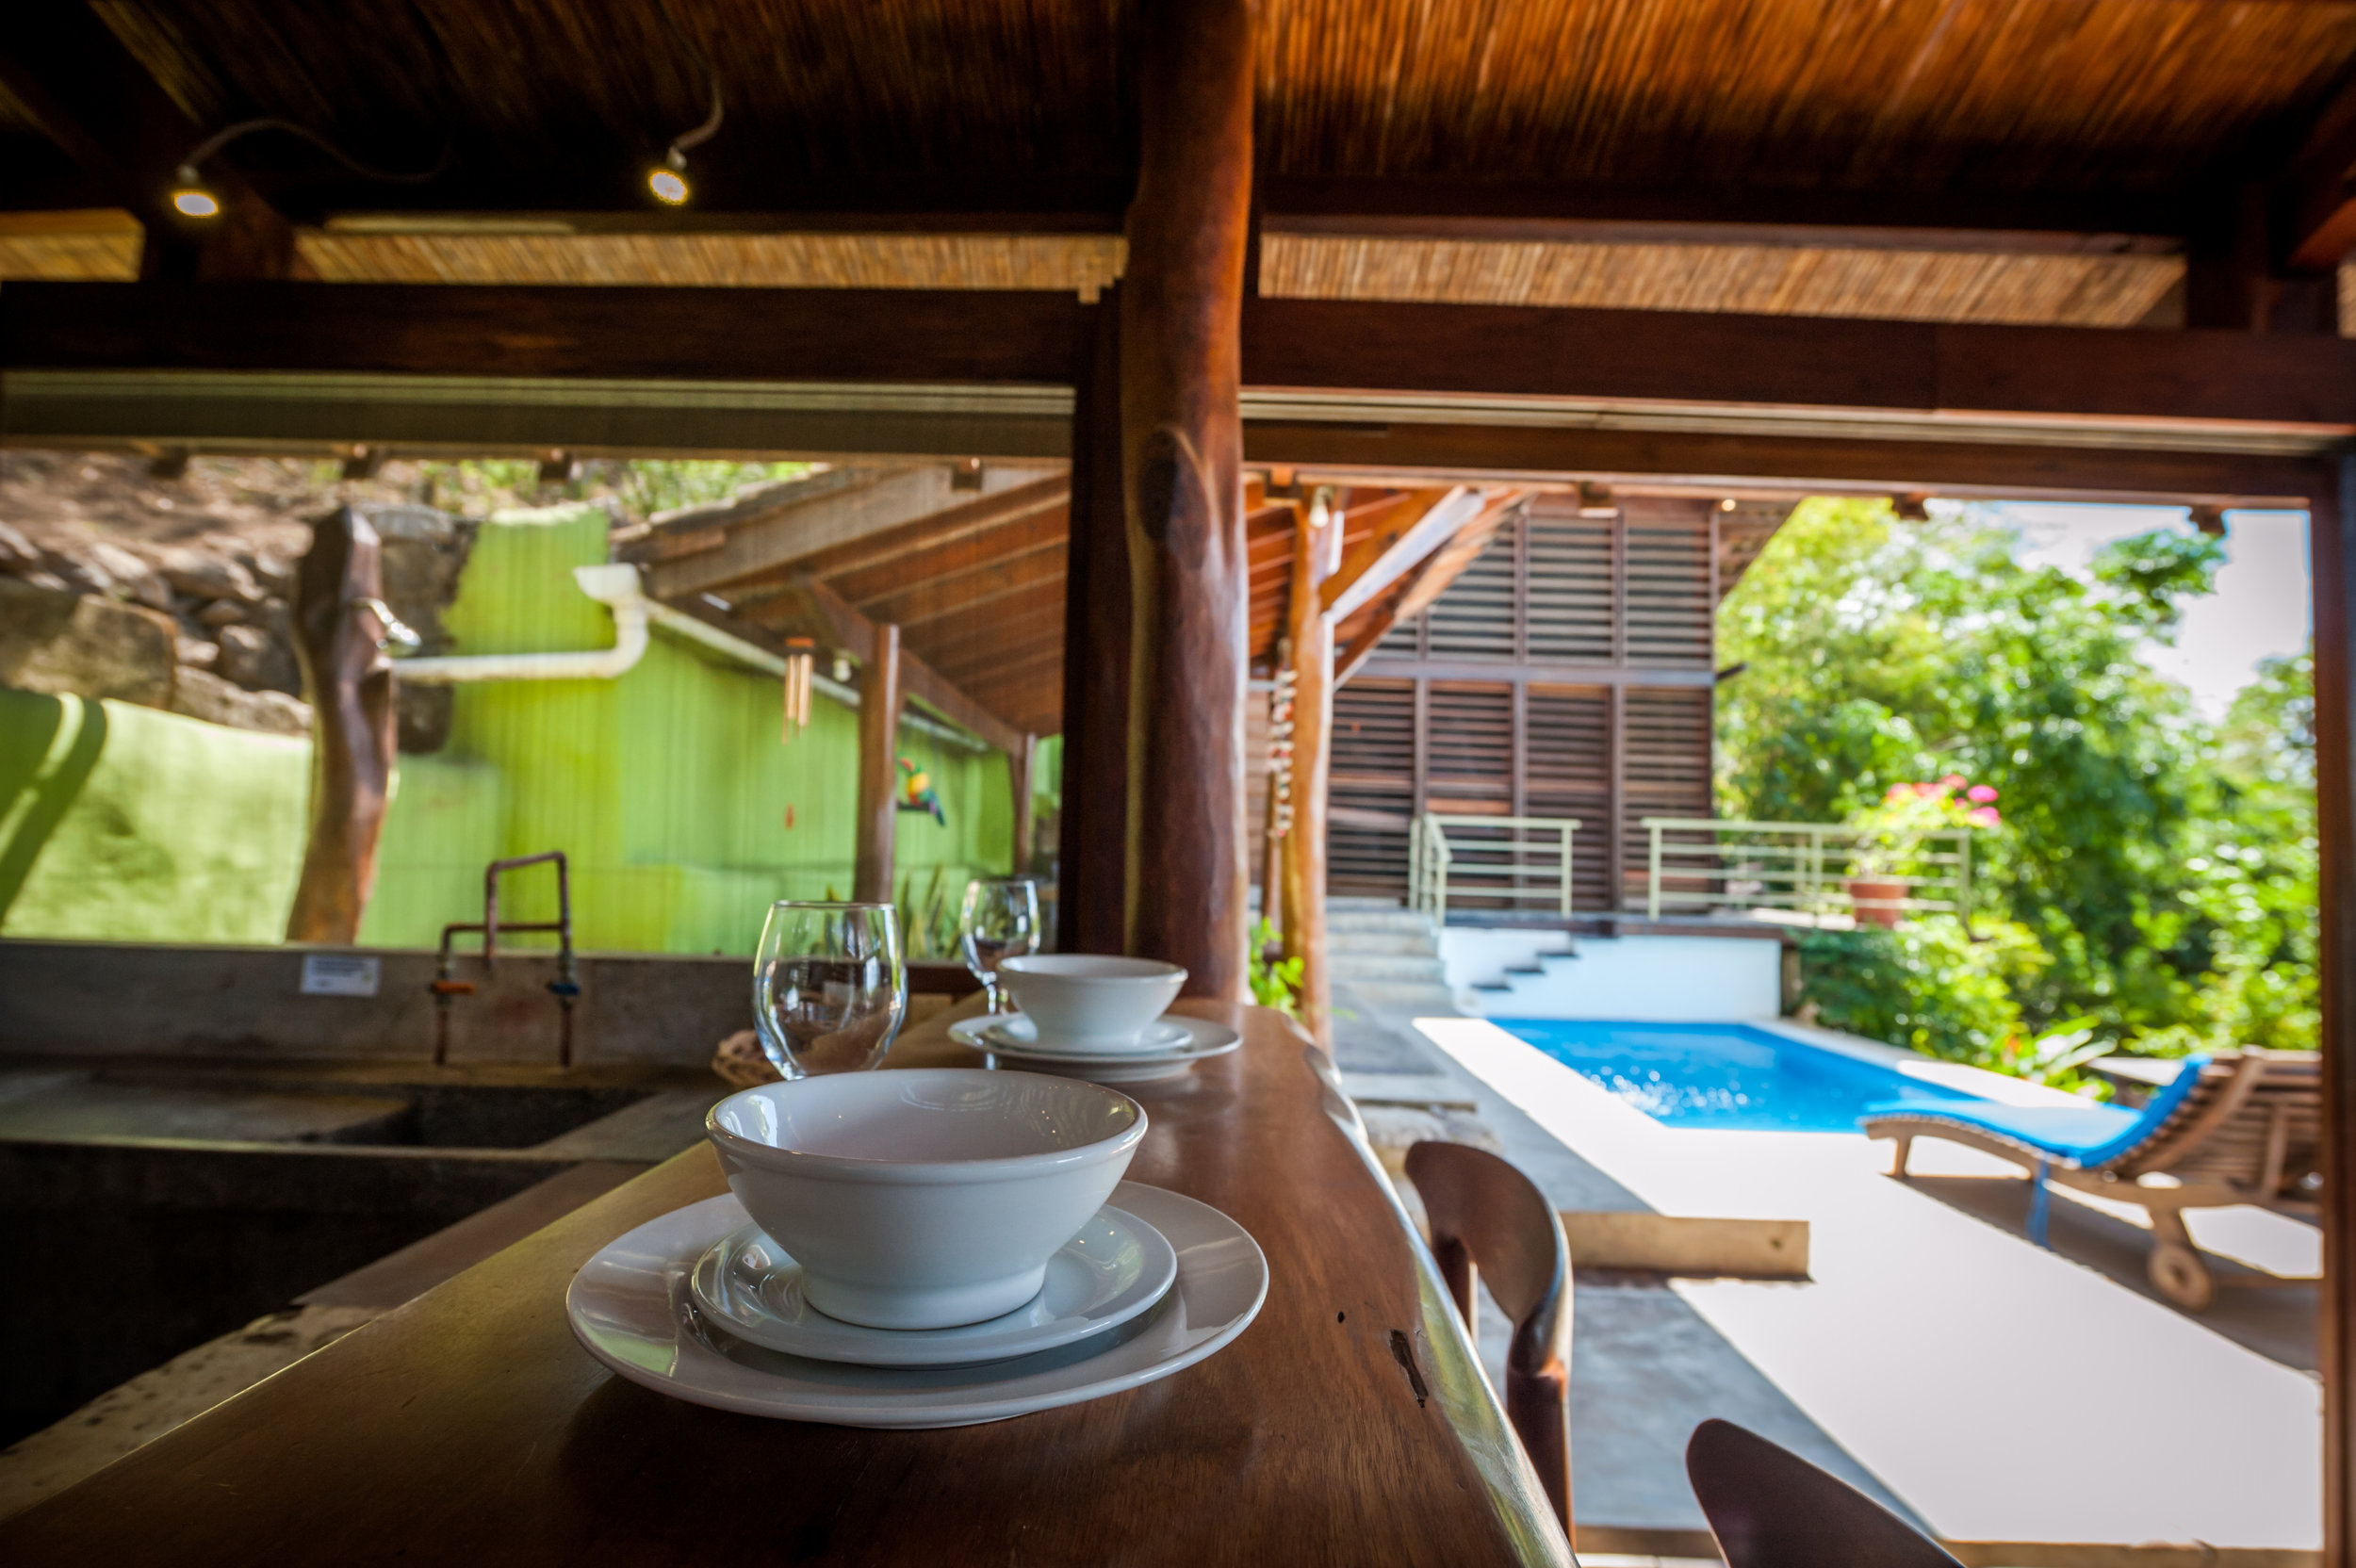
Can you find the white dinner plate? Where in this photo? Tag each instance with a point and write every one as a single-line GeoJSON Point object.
{"type": "Point", "coordinates": [631, 1308]}
{"type": "Point", "coordinates": [1177, 1043]}
{"type": "Point", "coordinates": [1115, 1269]}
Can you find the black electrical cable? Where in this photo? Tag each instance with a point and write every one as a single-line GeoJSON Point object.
{"type": "Point", "coordinates": [220, 140]}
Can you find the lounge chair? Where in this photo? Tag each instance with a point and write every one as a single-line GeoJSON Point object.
{"type": "Point", "coordinates": [2237, 1127]}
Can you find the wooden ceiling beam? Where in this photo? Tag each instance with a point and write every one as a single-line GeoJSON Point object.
{"type": "Point", "coordinates": [819, 612]}
{"type": "Point", "coordinates": [1424, 582]}
{"type": "Point", "coordinates": [2073, 376]}
{"type": "Point", "coordinates": [2074, 379]}
{"type": "Point", "coordinates": [922, 552]}
{"type": "Point", "coordinates": [2316, 197]}
{"type": "Point", "coordinates": [1404, 539]}
{"type": "Point", "coordinates": [782, 531]}
{"type": "Point", "coordinates": [927, 600]}
{"type": "Point", "coordinates": [760, 335]}
{"type": "Point", "coordinates": [103, 109]}
{"type": "Point", "coordinates": [1709, 464]}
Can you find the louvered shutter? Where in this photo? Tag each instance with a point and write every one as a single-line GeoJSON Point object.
{"type": "Point", "coordinates": [1567, 773]}
{"type": "Point", "coordinates": [1371, 798]}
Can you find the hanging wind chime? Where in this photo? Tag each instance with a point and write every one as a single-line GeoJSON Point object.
{"type": "Point", "coordinates": [1280, 751]}
{"type": "Point", "coordinates": [800, 664]}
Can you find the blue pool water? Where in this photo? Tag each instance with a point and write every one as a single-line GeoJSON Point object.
{"type": "Point", "coordinates": [1726, 1075]}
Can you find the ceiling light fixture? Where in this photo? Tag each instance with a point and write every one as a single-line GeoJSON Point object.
{"type": "Point", "coordinates": [193, 198]}
{"type": "Point", "coordinates": [668, 179]}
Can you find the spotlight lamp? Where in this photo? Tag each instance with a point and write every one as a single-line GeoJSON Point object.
{"type": "Point", "coordinates": [668, 179]}
{"type": "Point", "coordinates": [191, 197]}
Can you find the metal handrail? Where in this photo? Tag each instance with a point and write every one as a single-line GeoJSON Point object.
{"type": "Point", "coordinates": [1802, 867]}
{"type": "Point", "coordinates": [1519, 877]}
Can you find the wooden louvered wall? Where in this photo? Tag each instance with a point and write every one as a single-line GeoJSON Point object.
{"type": "Point", "coordinates": [1566, 674]}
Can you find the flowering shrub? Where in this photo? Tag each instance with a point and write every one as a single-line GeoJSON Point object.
{"type": "Point", "coordinates": [1892, 829]}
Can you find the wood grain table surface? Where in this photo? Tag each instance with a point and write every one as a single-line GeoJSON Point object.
{"type": "Point", "coordinates": [1350, 1423]}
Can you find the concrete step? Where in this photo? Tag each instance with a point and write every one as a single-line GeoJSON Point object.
{"type": "Point", "coordinates": [1377, 919]}
{"type": "Point", "coordinates": [1353, 903]}
{"type": "Point", "coordinates": [1410, 994]}
{"type": "Point", "coordinates": [1382, 941]}
{"type": "Point", "coordinates": [1356, 967]}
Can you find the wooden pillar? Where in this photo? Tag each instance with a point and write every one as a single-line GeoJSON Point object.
{"type": "Point", "coordinates": [1310, 634]}
{"type": "Point", "coordinates": [1019, 763]}
{"type": "Point", "coordinates": [2333, 544]}
{"type": "Point", "coordinates": [1092, 893]}
{"type": "Point", "coordinates": [1182, 448]}
{"type": "Point", "coordinates": [350, 683]}
{"type": "Point", "coordinates": [878, 768]}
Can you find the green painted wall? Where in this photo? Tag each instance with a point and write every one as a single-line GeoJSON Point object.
{"type": "Point", "coordinates": [126, 823]}
{"type": "Point", "coordinates": [670, 789]}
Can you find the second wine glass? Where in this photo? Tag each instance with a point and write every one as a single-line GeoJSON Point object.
{"type": "Point", "coordinates": [829, 988]}
{"type": "Point", "coordinates": [1000, 921]}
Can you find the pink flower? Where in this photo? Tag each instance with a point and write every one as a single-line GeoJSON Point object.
{"type": "Point", "coordinates": [1980, 794]}
{"type": "Point", "coordinates": [1984, 816]}
{"type": "Point", "coordinates": [1925, 792]}
{"type": "Point", "coordinates": [1896, 792]}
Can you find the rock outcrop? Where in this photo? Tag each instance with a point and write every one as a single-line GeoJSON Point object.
{"type": "Point", "coordinates": [117, 586]}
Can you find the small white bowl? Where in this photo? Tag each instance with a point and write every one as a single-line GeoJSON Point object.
{"type": "Point", "coordinates": [1091, 1000]}
{"type": "Point", "coordinates": [923, 1198]}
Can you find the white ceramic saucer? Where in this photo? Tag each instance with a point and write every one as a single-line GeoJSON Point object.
{"type": "Point", "coordinates": [631, 1308]}
{"type": "Point", "coordinates": [1176, 1042]}
{"type": "Point", "coordinates": [1115, 1269]}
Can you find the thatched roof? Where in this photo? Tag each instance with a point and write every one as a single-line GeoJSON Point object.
{"type": "Point", "coordinates": [851, 122]}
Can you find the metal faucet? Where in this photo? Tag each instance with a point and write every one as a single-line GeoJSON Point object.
{"type": "Point", "coordinates": [566, 988]}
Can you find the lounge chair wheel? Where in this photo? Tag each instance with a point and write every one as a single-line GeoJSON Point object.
{"type": "Point", "coordinates": [2182, 1276]}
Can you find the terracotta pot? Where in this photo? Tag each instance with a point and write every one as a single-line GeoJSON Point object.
{"type": "Point", "coordinates": [1879, 900]}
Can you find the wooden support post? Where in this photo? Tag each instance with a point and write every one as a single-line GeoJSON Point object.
{"type": "Point", "coordinates": [1311, 632]}
{"type": "Point", "coordinates": [1092, 869]}
{"type": "Point", "coordinates": [1019, 773]}
{"type": "Point", "coordinates": [878, 767]}
{"type": "Point", "coordinates": [1182, 448]}
{"type": "Point", "coordinates": [350, 683]}
{"type": "Point", "coordinates": [2333, 546]}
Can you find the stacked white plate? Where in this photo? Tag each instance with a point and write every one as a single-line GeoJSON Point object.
{"type": "Point", "coordinates": [702, 1305]}
{"type": "Point", "coordinates": [1167, 1048]}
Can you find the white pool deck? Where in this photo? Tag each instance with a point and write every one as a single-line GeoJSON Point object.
{"type": "Point", "coordinates": [2005, 1391]}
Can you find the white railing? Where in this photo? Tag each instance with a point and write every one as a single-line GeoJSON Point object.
{"type": "Point", "coordinates": [1515, 860]}
{"type": "Point", "coordinates": [1807, 869]}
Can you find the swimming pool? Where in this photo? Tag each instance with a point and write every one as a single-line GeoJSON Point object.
{"type": "Point", "coordinates": [1727, 1075]}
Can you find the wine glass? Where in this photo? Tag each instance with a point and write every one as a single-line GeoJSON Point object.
{"type": "Point", "coordinates": [1000, 921]}
{"type": "Point", "coordinates": [830, 988]}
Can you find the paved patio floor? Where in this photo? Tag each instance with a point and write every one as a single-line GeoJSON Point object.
{"type": "Point", "coordinates": [1995, 1391]}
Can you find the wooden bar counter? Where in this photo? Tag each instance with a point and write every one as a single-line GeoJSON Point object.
{"type": "Point", "coordinates": [1348, 1425]}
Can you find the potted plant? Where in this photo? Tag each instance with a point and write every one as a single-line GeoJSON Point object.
{"type": "Point", "coordinates": [1890, 835]}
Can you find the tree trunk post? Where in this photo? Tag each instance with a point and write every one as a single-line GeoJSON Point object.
{"type": "Point", "coordinates": [1019, 766]}
{"type": "Point", "coordinates": [1182, 447]}
{"type": "Point", "coordinates": [350, 682]}
{"type": "Point", "coordinates": [1312, 636]}
{"type": "Point", "coordinates": [1091, 838]}
{"type": "Point", "coordinates": [878, 768]}
{"type": "Point", "coordinates": [2332, 545]}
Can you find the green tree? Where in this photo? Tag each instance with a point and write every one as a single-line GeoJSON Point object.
{"type": "Point", "coordinates": [1876, 652]}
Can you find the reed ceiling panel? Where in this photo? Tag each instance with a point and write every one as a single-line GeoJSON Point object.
{"type": "Point", "coordinates": [1915, 95]}
{"type": "Point", "coordinates": [1768, 279]}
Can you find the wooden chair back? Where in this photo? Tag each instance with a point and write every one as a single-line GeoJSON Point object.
{"type": "Point", "coordinates": [2255, 1122]}
{"type": "Point", "coordinates": [1770, 1509]}
{"type": "Point", "coordinates": [1490, 1222]}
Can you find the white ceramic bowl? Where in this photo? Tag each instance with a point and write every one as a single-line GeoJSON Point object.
{"type": "Point", "coordinates": [1091, 1000]}
{"type": "Point", "coordinates": [923, 1198]}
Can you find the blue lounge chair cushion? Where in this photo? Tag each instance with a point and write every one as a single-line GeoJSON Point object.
{"type": "Point", "coordinates": [2087, 1137]}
